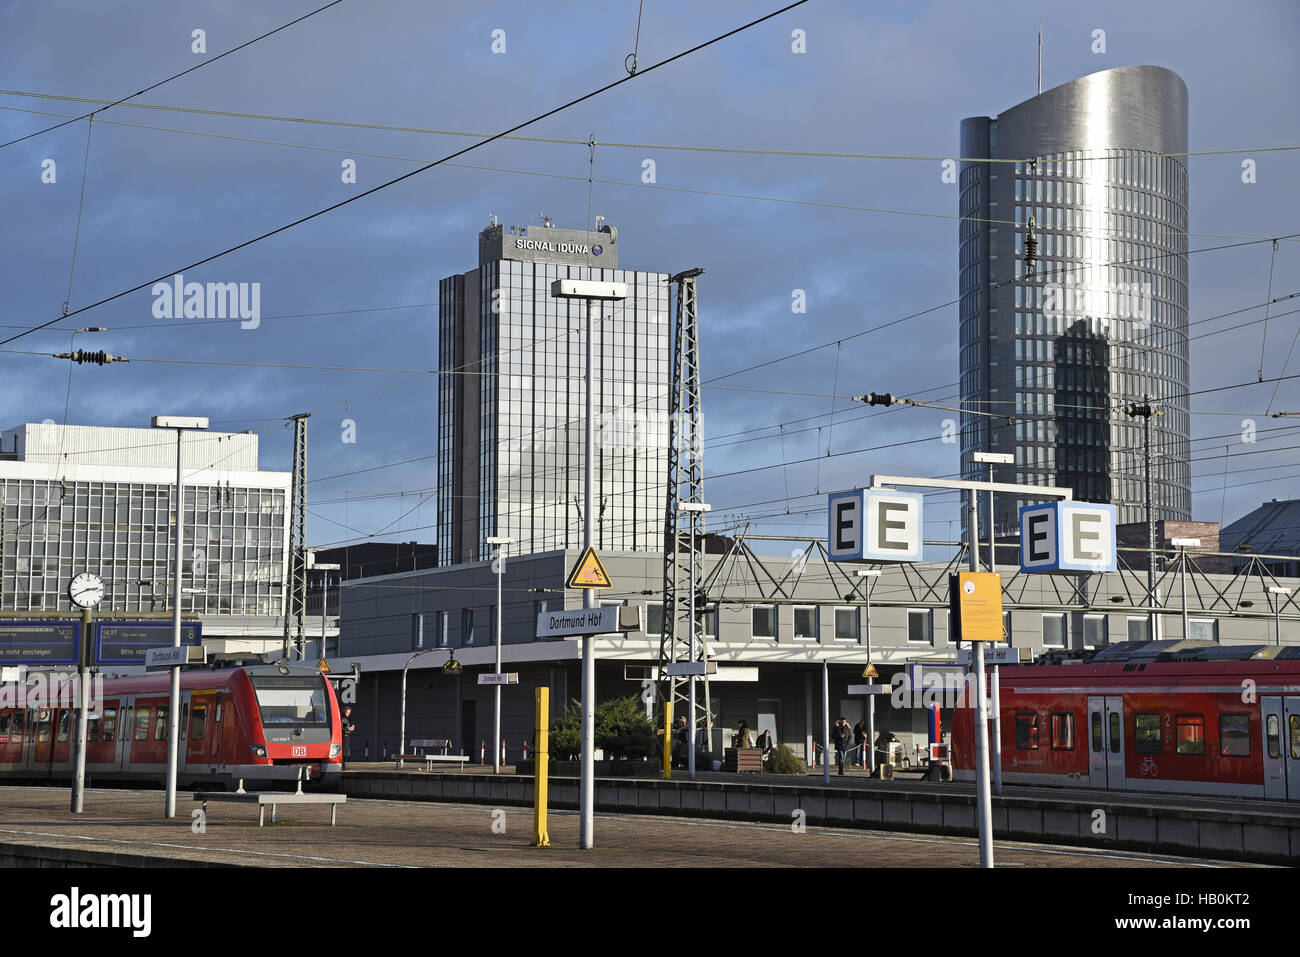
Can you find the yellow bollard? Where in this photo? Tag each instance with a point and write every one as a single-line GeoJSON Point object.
{"type": "Point", "coordinates": [668, 741]}
{"type": "Point", "coordinates": [541, 837]}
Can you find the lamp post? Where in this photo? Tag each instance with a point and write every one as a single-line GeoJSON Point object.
{"type": "Point", "coordinates": [401, 733]}
{"type": "Point", "coordinates": [1277, 611]}
{"type": "Point", "coordinates": [590, 290]}
{"type": "Point", "coordinates": [868, 574]}
{"type": "Point", "coordinates": [700, 508]}
{"type": "Point", "coordinates": [1182, 544]}
{"type": "Point", "coordinates": [181, 424]}
{"type": "Point", "coordinates": [1144, 411]}
{"type": "Point", "coordinates": [324, 595]}
{"type": "Point", "coordinates": [499, 560]}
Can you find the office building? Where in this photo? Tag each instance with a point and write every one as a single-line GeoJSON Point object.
{"type": "Point", "coordinates": [511, 396]}
{"type": "Point", "coordinates": [1098, 164]}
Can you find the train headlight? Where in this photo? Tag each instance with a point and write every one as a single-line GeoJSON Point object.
{"type": "Point", "coordinates": [336, 750]}
{"type": "Point", "coordinates": [259, 750]}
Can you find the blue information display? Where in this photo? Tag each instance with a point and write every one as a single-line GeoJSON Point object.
{"type": "Point", "coordinates": [39, 642]}
{"type": "Point", "coordinates": [125, 642]}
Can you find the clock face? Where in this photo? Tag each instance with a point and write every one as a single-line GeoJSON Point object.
{"type": "Point", "coordinates": [86, 590]}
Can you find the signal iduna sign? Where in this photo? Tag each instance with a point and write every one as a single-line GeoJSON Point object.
{"type": "Point", "coordinates": [879, 525]}
{"type": "Point", "coordinates": [1067, 537]}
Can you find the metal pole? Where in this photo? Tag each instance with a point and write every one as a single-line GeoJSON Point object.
{"type": "Point", "coordinates": [995, 689]}
{"type": "Point", "coordinates": [871, 699]}
{"type": "Point", "coordinates": [826, 723]}
{"type": "Point", "coordinates": [1183, 572]}
{"type": "Point", "coordinates": [83, 706]}
{"type": "Point", "coordinates": [496, 720]}
{"type": "Point", "coordinates": [1151, 524]}
{"type": "Point", "coordinates": [993, 561]}
{"type": "Point", "coordinates": [984, 800]}
{"type": "Point", "coordinates": [588, 739]}
{"type": "Point", "coordinates": [173, 708]}
{"type": "Point", "coordinates": [690, 707]}
{"type": "Point", "coordinates": [401, 734]}
{"type": "Point", "coordinates": [1277, 628]}
{"type": "Point", "coordinates": [324, 608]}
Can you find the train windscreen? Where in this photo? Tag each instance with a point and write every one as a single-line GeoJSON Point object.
{"type": "Point", "coordinates": [296, 700]}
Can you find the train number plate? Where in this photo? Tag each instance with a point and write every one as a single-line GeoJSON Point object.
{"type": "Point", "coordinates": [299, 751]}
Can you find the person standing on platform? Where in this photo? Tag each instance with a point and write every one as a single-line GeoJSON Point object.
{"type": "Point", "coordinates": [348, 728]}
{"type": "Point", "coordinates": [840, 736]}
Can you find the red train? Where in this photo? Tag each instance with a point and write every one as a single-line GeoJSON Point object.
{"type": "Point", "coordinates": [262, 724]}
{"type": "Point", "coordinates": [1175, 716]}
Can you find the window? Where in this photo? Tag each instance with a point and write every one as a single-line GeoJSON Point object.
{"type": "Point", "coordinates": [1096, 732]}
{"type": "Point", "coordinates": [1190, 733]}
{"type": "Point", "coordinates": [1006, 628]}
{"type": "Point", "coordinates": [1234, 735]}
{"type": "Point", "coordinates": [1274, 737]}
{"type": "Point", "coordinates": [920, 625]}
{"type": "Point", "coordinates": [1062, 731]}
{"type": "Point", "coordinates": [708, 621]}
{"type": "Point", "coordinates": [763, 621]}
{"type": "Point", "coordinates": [846, 624]}
{"type": "Point", "coordinates": [110, 724]}
{"type": "Point", "coordinates": [199, 722]}
{"type": "Point", "coordinates": [417, 631]}
{"type": "Point", "coordinates": [1203, 629]}
{"type": "Point", "coordinates": [1146, 733]}
{"type": "Point", "coordinates": [805, 623]}
{"type": "Point", "coordinates": [654, 617]}
{"type": "Point", "coordinates": [1139, 629]}
{"type": "Point", "coordinates": [142, 716]}
{"type": "Point", "coordinates": [1026, 731]}
{"type": "Point", "coordinates": [467, 626]}
{"type": "Point", "coordinates": [1094, 631]}
{"type": "Point", "coordinates": [1293, 722]}
{"type": "Point", "coordinates": [65, 719]}
{"type": "Point", "coordinates": [161, 730]}
{"type": "Point", "coordinates": [1054, 631]}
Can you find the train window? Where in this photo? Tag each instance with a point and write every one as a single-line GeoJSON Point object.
{"type": "Point", "coordinates": [20, 725]}
{"type": "Point", "coordinates": [92, 730]}
{"type": "Point", "coordinates": [65, 721]}
{"type": "Point", "coordinates": [1190, 733]}
{"type": "Point", "coordinates": [1234, 735]}
{"type": "Point", "coordinates": [43, 726]}
{"type": "Point", "coordinates": [161, 729]}
{"type": "Point", "coordinates": [185, 719]}
{"type": "Point", "coordinates": [1273, 734]}
{"type": "Point", "coordinates": [1146, 733]}
{"type": "Point", "coordinates": [110, 723]}
{"type": "Point", "coordinates": [142, 723]}
{"type": "Point", "coordinates": [4, 722]}
{"type": "Point", "coordinates": [1294, 723]}
{"type": "Point", "coordinates": [1096, 731]}
{"type": "Point", "coordinates": [199, 722]}
{"type": "Point", "coordinates": [1062, 731]}
{"type": "Point", "coordinates": [1026, 731]}
{"type": "Point", "coordinates": [1114, 732]}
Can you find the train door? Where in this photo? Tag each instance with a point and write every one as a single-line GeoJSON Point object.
{"type": "Point", "coordinates": [124, 733]}
{"type": "Point", "coordinates": [198, 743]}
{"type": "Point", "coordinates": [44, 745]}
{"type": "Point", "coordinates": [214, 735]}
{"type": "Point", "coordinates": [1281, 717]}
{"type": "Point", "coordinates": [1106, 742]}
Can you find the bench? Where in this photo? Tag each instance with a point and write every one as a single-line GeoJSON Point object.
{"type": "Point", "coordinates": [742, 759]}
{"type": "Point", "coordinates": [273, 798]}
{"type": "Point", "coordinates": [422, 744]}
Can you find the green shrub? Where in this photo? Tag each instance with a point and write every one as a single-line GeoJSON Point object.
{"type": "Point", "coordinates": [623, 731]}
{"type": "Point", "coordinates": [784, 761]}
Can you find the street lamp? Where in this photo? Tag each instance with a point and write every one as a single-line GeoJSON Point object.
{"type": "Point", "coordinates": [325, 593]}
{"type": "Point", "coordinates": [868, 574]}
{"type": "Point", "coordinates": [695, 508]}
{"type": "Point", "coordinates": [401, 734]}
{"type": "Point", "coordinates": [1182, 544]}
{"type": "Point", "coordinates": [181, 424]}
{"type": "Point", "coordinates": [992, 459]}
{"type": "Point", "coordinates": [499, 560]}
{"type": "Point", "coordinates": [590, 290]}
{"type": "Point", "coordinates": [1144, 411]}
{"type": "Point", "coordinates": [1277, 611]}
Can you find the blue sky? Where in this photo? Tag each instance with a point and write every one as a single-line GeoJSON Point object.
{"type": "Point", "coordinates": [890, 78]}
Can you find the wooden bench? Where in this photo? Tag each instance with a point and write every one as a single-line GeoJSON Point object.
{"type": "Point", "coordinates": [273, 798]}
{"type": "Point", "coordinates": [422, 744]}
{"type": "Point", "coordinates": [742, 759]}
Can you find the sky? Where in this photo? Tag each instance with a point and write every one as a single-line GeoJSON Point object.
{"type": "Point", "coordinates": [348, 317]}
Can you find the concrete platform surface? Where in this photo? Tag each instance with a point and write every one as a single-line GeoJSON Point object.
{"type": "Point", "coordinates": [381, 833]}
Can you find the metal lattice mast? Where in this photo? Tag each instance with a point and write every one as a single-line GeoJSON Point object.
{"type": "Point", "coordinates": [295, 605]}
{"type": "Point", "coordinates": [684, 484]}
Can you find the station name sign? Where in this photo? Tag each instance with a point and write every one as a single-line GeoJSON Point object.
{"type": "Point", "coordinates": [1067, 537]}
{"type": "Point", "coordinates": [878, 525]}
{"type": "Point", "coordinates": [610, 619]}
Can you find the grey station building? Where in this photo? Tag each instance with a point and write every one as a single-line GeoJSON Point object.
{"type": "Point", "coordinates": [1103, 321]}
{"type": "Point", "coordinates": [511, 397]}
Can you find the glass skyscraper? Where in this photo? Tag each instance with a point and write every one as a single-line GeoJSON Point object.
{"type": "Point", "coordinates": [1099, 165]}
{"type": "Point", "coordinates": [511, 398]}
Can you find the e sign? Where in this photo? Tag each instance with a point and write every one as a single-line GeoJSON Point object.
{"type": "Point", "coordinates": [893, 526]}
{"type": "Point", "coordinates": [1067, 537]}
{"type": "Point", "coordinates": [844, 536]}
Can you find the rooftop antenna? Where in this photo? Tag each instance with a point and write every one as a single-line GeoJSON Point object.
{"type": "Point", "coordinates": [492, 218]}
{"type": "Point", "coordinates": [1040, 59]}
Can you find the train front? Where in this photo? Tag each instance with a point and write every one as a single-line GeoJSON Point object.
{"type": "Point", "coordinates": [299, 727]}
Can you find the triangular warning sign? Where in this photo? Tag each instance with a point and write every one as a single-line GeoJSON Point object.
{"type": "Point", "coordinates": [870, 672]}
{"type": "Point", "coordinates": [589, 572]}
{"type": "Point", "coordinates": [324, 666]}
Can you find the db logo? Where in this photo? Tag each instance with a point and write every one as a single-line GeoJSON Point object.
{"type": "Point", "coordinates": [299, 751]}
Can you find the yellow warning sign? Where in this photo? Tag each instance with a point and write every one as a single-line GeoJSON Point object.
{"type": "Point", "coordinates": [980, 597]}
{"type": "Point", "coordinates": [589, 572]}
{"type": "Point", "coordinates": [323, 666]}
{"type": "Point", "coordinates": [870, 671]}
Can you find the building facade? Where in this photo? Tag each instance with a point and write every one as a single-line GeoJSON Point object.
{"type": "Point", "coordinates": [1102, 322]}
{"type": "Point", "coordinates": [511, 413]}
{"type": "Point", "coordinates": [102, 500]}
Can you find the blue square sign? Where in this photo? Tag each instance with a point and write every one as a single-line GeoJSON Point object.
{"type": "Point", "coordinates": [1067, 537]}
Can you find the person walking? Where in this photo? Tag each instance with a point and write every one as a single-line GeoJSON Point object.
{"type": "Point", "coordinates": [841, 735]}
{"type": "Point", "coordinates": [679, 742]}
{"type": "Point", "coordinates": [348, 728]}
{"type": "Point", "coordinates": [860, 741]}
{"type": "Point", "coordinates": [741, 738]}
